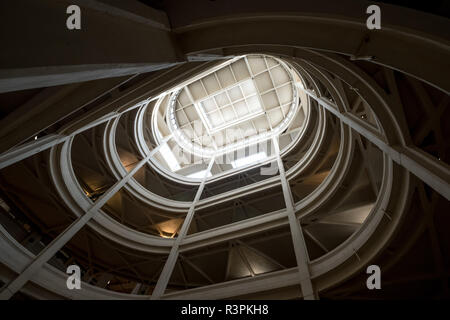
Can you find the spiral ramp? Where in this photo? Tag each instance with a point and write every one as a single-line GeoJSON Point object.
{"type": "Point", "coordinates": [258, 157]}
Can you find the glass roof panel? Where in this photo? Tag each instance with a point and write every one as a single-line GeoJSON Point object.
{"type": "Point", "coordinates": [229, 107]}
{"type": "Point", "coordinates": [239, 103]}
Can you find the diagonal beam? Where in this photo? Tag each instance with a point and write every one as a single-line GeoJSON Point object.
{"type": "Point", "coordinates": [317, 241]}
{"type": "Point", "coordinates": [31, 118]}
{"type": "Point", "coordinates": [194, 266]}
{"type": "Point", "coordinates": [431, 171]}
{"type": "Point", "coordinates": [48, 252]}
{"type": "Point", "coordinates": [31, 148]}
{"type": "Point", "coordinates": [301, 252]}
{"type": "Point", "coordinates": [174, 252]}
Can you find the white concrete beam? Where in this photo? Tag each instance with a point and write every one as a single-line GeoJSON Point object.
{"type": "Point", "coordinates": [174, 252]}
{"type": "Point", "coordinates": [301, 252]}
{"type": "Point", "coordinates": [29, 149]}
{"type": "Point", "coordinates": [434, 173]}
{"type": "Point", "coordinates": [48, 252]}
{"type": "Point", "coordinates": [39, 77]}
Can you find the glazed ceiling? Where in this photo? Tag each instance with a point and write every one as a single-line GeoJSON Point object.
{"type": "Point", "coordinates": [242, 103]}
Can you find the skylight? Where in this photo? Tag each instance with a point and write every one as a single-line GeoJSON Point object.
{"type": "Point", "coordinates": [239, 103]}
{"type": "Point", "coordinates": [254, 158]}
{"type": "Point", "coordinates": [169, 157]}
{"type": "Point", "coordinates": [230, 106]}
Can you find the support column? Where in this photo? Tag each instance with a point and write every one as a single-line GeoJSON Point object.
{"type": "Point", "coordinates": [48, 252]}
{"type": "Point", "coordinates": [173, 255]}
{"type": "Point", "coordinates": [301, 252]}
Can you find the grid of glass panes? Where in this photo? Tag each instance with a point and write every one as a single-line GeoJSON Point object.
{"type": "Point", "coordinates": [221, 97]}
{"type": "Point", "coordinates": [231, 106]}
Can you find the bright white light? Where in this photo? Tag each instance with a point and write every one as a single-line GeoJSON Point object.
{"type": "Point", "coordinates": [249, 160]}
{"type": "Point", "coordinates": [214, 108]}
{"type": "Point", "coordinates": [199, 174]}
{"type": "Point", "coordinates": [169, 157]}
